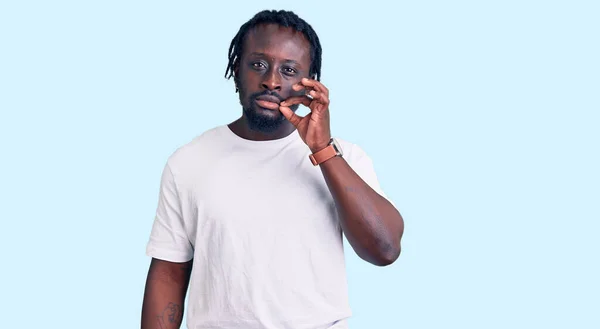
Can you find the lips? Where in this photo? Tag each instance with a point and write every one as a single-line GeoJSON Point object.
{"type": "Point", "coordinates": [268, 102]}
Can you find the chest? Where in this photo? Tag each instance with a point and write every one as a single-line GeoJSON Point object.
{"type": "Point", "coordinates": [276, 198]}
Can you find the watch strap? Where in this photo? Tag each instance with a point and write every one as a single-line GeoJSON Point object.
{"type": "Point", "coordinates": [323, 155]}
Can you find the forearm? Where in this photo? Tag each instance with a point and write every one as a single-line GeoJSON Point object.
{"type": "Point", "coordinates": [371, 224]}
{"type": "Point", "coordinates": [164, 295]}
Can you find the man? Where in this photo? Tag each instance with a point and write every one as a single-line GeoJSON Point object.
{"type": "Point", "coordinates": [251, 214]}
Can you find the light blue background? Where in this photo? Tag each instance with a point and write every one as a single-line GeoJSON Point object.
{"type": "Point", "coordinates": [482, 119]}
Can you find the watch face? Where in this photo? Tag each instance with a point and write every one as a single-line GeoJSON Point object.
{"type": "Point", "coordinates": [337, 147]}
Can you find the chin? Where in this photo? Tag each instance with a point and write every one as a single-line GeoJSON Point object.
{"type": "Point", "coordinates": [263, 120]}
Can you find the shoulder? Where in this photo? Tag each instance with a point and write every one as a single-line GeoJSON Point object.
{"type": "Point", "coordinates": [353, 153]}
{"type": "Point", "coordinates": [197, 150]}
{"type": "Point", "coordinates": [361, 162]}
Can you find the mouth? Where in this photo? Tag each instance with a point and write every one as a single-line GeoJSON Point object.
{"type": "Point", "coordinates": [268, 102]}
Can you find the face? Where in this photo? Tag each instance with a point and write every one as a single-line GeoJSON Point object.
{"type": "Point", "coordinates": [274, 58]}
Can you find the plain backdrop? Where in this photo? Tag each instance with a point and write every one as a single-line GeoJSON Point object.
{"type": "Point", "coordinates": [481, 117]}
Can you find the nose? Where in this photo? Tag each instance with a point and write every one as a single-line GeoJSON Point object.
{"type": "Point", "coordinates": [271, 81]}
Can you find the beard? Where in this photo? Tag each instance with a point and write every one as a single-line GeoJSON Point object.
{"type": "Point", "coordinates": [259, 121]}
{"type": "Point", "coordinates": [263, 120]}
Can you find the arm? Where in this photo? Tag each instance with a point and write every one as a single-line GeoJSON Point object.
{"type": "Point", "coordinates": [371, 224]}
{"type": "Point", "coordinates": [164, 295]}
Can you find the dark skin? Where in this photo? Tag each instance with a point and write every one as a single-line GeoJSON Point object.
{"type": "Point", "coordinates": [277, 59]}
{"type": "Point", "coordinates": [260, 69]}
{"type": "Point", "coordinates": [164, 295]}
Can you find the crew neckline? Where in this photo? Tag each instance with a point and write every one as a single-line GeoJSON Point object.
{"type": "Point", "coordinates": [293, 136]}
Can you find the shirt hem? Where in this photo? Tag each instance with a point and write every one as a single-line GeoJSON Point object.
{"type": "Point", "coordinates": [168, 255]}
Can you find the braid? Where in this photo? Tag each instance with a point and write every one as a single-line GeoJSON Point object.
{"type": "Point", "coordinates": [283, 18]}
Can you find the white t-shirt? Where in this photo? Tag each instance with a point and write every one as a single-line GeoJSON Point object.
{"type": "Point", "coordinates": [261, 225]}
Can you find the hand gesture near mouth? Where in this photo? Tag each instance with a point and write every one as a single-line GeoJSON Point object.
{"type": "Point", "coordinates": [314, 128]}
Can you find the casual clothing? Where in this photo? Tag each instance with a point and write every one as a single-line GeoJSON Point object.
{"type": "Point", "coordinates": [261, 225]}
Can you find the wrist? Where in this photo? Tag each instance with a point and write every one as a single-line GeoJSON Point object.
{"type": "Point", "coordinates": [318, 147]}
{"type": "Point", "coordinates": [321, 154]}
{"type": "Point", "coordinates": [331, 163]}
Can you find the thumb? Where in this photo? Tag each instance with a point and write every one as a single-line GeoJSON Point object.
{"type": "Point", "coordinates": [292, 117]}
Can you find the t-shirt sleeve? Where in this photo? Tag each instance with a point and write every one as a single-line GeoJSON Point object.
{"type": "Point", "coordinates": [168, 239]}
{"type": "Point", "coordinates": [363, 165]}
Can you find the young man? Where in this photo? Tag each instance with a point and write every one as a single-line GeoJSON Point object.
{"type": "Point", "coordinates": [251, 214]}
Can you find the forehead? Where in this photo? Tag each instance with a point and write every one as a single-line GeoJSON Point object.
{"type": "Point", "coordinates": [278, 42]}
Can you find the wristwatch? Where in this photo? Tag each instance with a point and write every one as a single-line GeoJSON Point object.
{"type": "Point", "coordinates": [333, 149]}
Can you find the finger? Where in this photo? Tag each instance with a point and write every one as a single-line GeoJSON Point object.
{"type": "Point", "coordinates": [305, 100]}
{"type": "Point", "coordinates": [321, 97]}
{"type": "Point", "coordinates": [316, 85]}
{"type": "Point", "coordinates": [299, 86]}
{"type": "Point", "coordinates": [292, 117]}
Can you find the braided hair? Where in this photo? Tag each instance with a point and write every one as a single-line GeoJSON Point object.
{"type": "Point", "coordinates": [283, 18]}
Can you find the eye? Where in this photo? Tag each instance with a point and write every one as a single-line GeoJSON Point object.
{"type": "Point", "coordinates": [258, 65]}
{"type": "Point", "coordinates": [289, 70]}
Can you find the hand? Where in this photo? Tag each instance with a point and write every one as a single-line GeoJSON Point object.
{"type": "Point", "coordinates": [314, 128]}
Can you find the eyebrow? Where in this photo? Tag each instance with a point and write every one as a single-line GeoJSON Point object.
{"type": "Point", "coordinates": [285, 60]}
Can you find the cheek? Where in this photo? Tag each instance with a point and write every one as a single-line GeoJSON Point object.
{"type": "Point", "coordinates": [291, 91]}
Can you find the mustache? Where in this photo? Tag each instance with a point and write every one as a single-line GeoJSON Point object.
{"type": "Point", "coordinates": [267, 93]}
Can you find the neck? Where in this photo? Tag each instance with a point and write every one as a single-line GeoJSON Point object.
{"type": "Point", "coordinates": [241, 128]}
